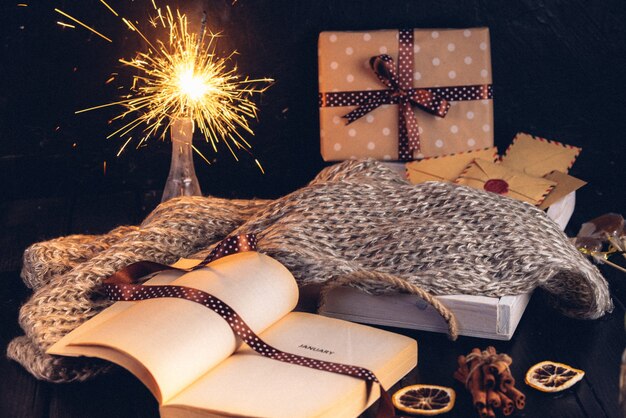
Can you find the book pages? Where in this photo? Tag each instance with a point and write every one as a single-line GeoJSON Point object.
{"type": "Point", "coordinates": [178, 341]}
{"type": "Point", "coordinates": [247, 384]}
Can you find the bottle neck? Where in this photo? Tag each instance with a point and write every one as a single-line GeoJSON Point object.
{"type": "Point", "coordinates": [181, 149]}
{"type": "Point", "coordinates": [182, 180]}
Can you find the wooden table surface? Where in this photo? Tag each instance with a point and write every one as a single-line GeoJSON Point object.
{"type": "Point", "coordinates": [543, 334]}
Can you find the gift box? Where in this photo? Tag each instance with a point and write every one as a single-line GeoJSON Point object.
{"type": "Point", "coordinates": [404, 94]}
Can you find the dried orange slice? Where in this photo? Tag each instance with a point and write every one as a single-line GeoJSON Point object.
{"type": "Point", "coordinates": [424, 399]}
{"type": "Point", "coordinates": [549, 376]}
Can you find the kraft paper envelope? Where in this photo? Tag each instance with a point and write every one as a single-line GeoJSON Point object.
{"type": "Point", "coordinates": [447, 167]}
{"type": "Point", "coordinates": [537, 156]}
{"type": "Point", "coordinates": [497, 178]}
{"type": "Point", "coordinates": [565, 185]}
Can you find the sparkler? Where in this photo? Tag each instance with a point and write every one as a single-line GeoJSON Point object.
{"type": "Point", "coordinates": [182, 77]}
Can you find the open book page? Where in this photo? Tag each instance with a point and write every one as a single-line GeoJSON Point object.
{"type": "Point", "coordinates": [177, 341]}
{"type": "Point", "coordinates": [247, 384]}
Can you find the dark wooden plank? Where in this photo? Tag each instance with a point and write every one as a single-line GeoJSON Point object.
{"type": "Point", "coordinates": [543, 334]}
{"type": "Point", "coordinates": [148, 201]}
{"type": "Point", "coordinates": [616, 280]}
{"type": "Point", "coordinates": [589, 400]}
{"type": "Point", "coordinates": [599, 348]}
{"type": "Point", "coordinates": [593, 346]}
{"type": "Point", "coordinates": [21, 395]}
{"type": "Point", "coordinates": [12, 294]}
{"type": "Point", "coordinates": [438, 360]}
{"type": "Point", "coordinates": [606, 340]}
{"type": "Point", "coordinates": [97, 214]}
{"type": "Point", "coordinates": [596, 347]}
{"type": "Point", "coordinates": [24, 222]}
{"type": "Point", "coordinates": [116, 395]}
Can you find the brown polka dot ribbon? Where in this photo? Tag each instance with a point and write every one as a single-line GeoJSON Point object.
{"type": "Point", "coordinates": [400, 91]}
{"type": "Point", "coordinates": [124, 286]}
{"type": "Point", "coordinates": [135, 272]}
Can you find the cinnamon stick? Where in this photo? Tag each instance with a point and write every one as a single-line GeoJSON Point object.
{"type": "Point", "coordinates": [493, 399]}
{"type": "Point", "coordinates": [498, 367]}
{"type": "Point", "coordinates": [518, 397]}
{"type": "Point", "coordinates": [482, 411]}
{"type": "Point", "coordinates": [506, 379]}
{"type": "Point", "coordinates": [479, 395]}
{"type": "Point", "coordinates": [461, 373]}
{"type": "Point", "coordinates": [490, 413]}
{"type": "Point", "coordinates": [489, 379]}
{"type": "Point", "coordinates": [507, 404]}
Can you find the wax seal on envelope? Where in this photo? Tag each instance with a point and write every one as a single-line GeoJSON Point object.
{"type": "Point", "coordinates": [482, 174]}
{"type": "Point", "coordinates": [498, 186]}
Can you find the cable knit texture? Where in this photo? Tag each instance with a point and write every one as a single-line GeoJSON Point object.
{"type": "Point", "coordinates": [357, 223]}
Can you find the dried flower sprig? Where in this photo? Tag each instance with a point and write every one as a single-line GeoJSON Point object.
{"type": "Point", "coordinates": [603, 237]}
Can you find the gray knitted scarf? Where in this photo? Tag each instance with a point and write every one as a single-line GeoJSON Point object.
{"type": "Point", "coordinates": [357, 223]}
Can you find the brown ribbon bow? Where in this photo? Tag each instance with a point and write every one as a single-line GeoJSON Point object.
{"type": "Point", "coordinates": [401, 92]}
{"type": "Point", "coordinates": [124, 285]}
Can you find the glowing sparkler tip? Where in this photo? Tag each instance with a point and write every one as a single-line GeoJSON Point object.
{"type": "Point", "coordinates": [182, 77]}
{"type": "Point", "coordinates": [191, 85]}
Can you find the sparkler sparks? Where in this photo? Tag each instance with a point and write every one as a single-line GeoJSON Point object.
{"type": "Point", "coordinates": [183, 77]}
{"type": "Point", "coordinates": [65, 25]}
{"type": "Point", "coordinates": [62, 13]}
{"type": "Point", "coordinates": [109, 7]}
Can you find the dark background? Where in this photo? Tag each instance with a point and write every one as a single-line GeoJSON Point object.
{"type": "Point", "coordinates": [558, 69]}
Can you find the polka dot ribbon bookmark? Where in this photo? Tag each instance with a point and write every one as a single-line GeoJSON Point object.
{"type": "Point", "coordinates": [135, 272]}
{"type": "Point", "coordinates": [124, 286]}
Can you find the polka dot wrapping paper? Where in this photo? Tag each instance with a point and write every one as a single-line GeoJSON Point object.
{"type": "Point", "coordinates": [452, 64]}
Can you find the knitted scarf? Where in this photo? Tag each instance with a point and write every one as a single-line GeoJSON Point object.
{"type": "Point", "coordinates": [357, 223]}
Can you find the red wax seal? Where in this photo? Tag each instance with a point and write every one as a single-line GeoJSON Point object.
{"type": "Point", "coordinates": [498, 186]}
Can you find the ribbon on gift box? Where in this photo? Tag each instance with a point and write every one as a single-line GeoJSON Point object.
{"type": "Point", "coordinates": [434, 100]}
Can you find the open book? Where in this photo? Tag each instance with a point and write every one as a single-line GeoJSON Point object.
{"type": "Point", "coordinates": [195, 366]}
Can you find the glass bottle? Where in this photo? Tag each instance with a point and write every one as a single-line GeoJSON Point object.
{"type": "Point", "coordinates": [182, 180]}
